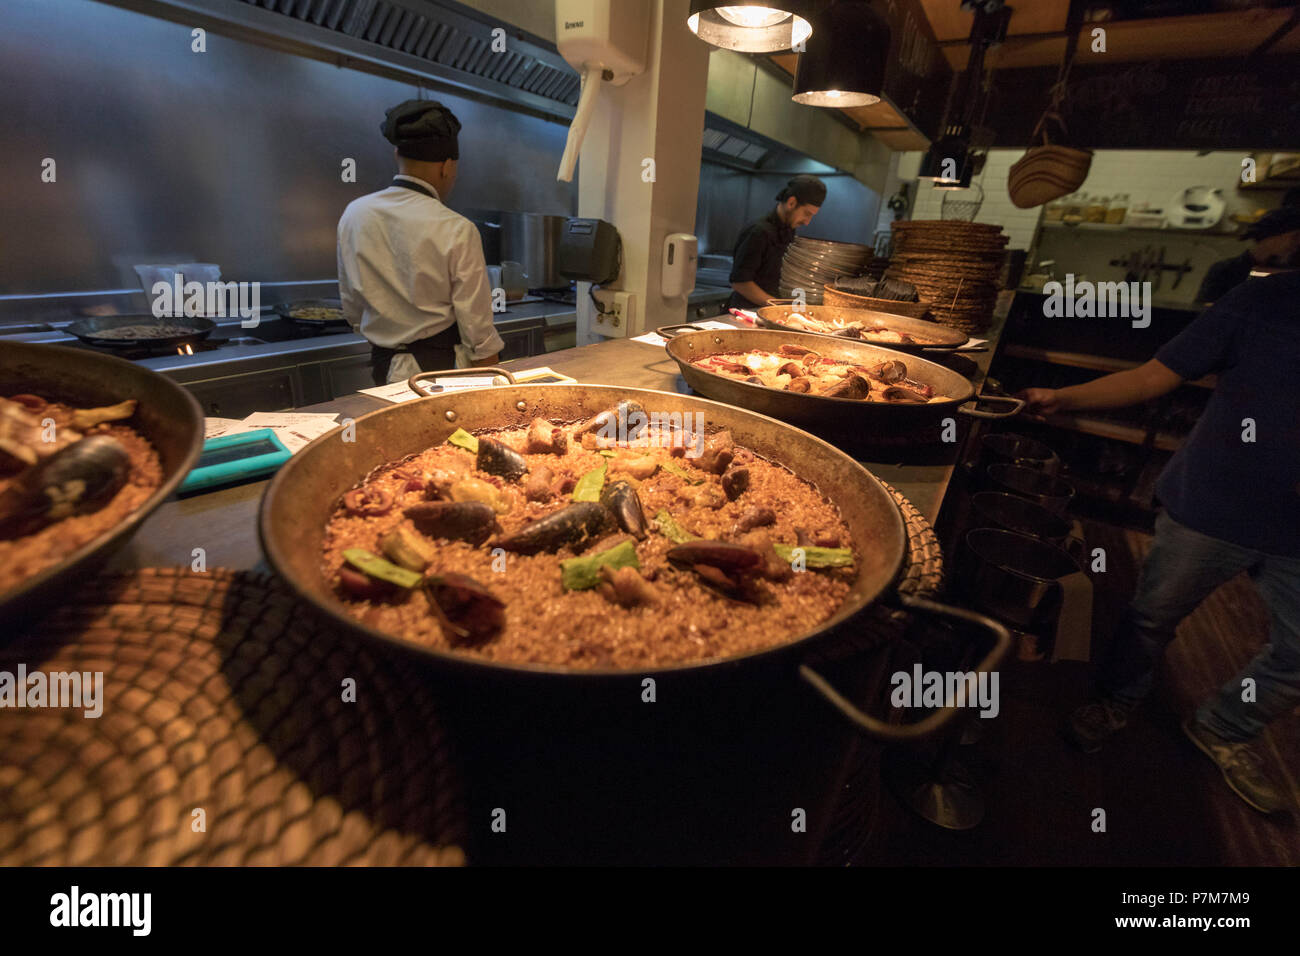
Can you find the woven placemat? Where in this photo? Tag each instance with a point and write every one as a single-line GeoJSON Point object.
{"type": "Point", "coordinates": [218, 696]}
{"type": "Point", "coordinates": [922, 576]}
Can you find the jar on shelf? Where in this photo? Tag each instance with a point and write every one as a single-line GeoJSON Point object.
{"type": "Point", "coordinates": [1054, 210]}
{"type": "Point", "coordinates": [1117, 210]}
{"type": "Point", "coordinates": [1095, 211]}
{"type": "Point", "coordinates": [1073, 212]}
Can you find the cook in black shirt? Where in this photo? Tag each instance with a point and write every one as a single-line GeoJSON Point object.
{"type": "Point", "coordinates": [756, 262]}
{"type": "Point", "coordinates": [1277, 243]}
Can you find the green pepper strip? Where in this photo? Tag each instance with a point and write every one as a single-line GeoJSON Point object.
{"type": "Point", "coordinates": [816, 557]}
{"type": "Point", "coordinates": [681, 473]}
{"type": "Point", "coordinates": [589, 485]}
{"type": "Point", "coordinates": [377, 567]}
{"type": "Point", "coordinates": [672, 530]}
{"type": "Point", "coordinates": [463, 439]}
{"type": "Point", "coordinates": [578, 574]}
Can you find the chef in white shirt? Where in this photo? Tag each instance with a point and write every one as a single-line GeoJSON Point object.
{"type": "Point", "coordinates": [411, 272]}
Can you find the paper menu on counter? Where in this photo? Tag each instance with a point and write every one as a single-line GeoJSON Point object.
{"type": "Point", "coordinates": [654, 338]}
{"type": "Point", "coordinates": [219, 427]}
{"type": "Point", "coordinates": [397, 392]}
{"type": "Point", "coordinates": [294, 429]}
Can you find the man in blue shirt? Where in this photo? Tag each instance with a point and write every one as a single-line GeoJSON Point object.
{"type": "Point", "coordinates": [1232, 503]}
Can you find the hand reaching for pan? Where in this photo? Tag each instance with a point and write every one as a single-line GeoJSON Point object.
{"type": "Point", "coordinates": [1041, 401]}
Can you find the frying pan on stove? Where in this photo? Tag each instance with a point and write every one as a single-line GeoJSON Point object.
{"type": "Point", "coordinates": [292, 311]}
{"type": "Point", "coordinates": [98, 331]}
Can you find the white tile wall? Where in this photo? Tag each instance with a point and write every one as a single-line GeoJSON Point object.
{"type": "Point", "coordinates": [1156, 176]}
{"type": "Point", "coordinates": [1019, 224]}
{"type": "Point", "coordinates": [1150, 176]}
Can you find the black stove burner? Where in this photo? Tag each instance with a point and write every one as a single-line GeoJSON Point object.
{"type": "Point", "coordinates": [136, 352]}
{"type": "Point", "coordinates": [264, 333]}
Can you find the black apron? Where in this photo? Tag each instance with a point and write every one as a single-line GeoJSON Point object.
{"type": "Point", "coordinates": [433, 354]}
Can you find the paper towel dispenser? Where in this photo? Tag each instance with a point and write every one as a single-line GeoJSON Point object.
{"type": "Point", "coordinates": [681, 253]}
{"type": "Point", "coordinates": [590, 251]}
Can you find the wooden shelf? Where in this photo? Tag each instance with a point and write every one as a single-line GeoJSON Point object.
{"type": "Point", "coordinates": [1099, 363]}
{"type": "Point", "coordinates": [1113, 430]}
{"type": "Point", "coordinates": [1121, 227]}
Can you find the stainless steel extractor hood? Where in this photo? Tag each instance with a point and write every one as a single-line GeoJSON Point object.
{"type": "Point", "coordinates": [442, 41]}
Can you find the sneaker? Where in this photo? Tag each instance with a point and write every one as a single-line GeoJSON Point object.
{"type": "Point", "coordinates": [1096, 722]}
{"type": "Point", "coordinates": [1242, 768]}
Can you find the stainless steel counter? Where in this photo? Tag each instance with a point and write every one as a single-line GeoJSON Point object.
{"type": "Point", "coordinates": [294, 368]}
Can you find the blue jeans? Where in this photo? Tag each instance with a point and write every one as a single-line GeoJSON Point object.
{"type": "Point", "coordinates": [1184, 566]}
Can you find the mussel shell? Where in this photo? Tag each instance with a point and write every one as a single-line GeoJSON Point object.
{"type": "Point", "coordinates": [903, 394]}
{"type": "Point", "coordinates": [625, 505]}
{"type": "Point", "coordinates": [497, 458]}
{"type": "Point", "coordinates": [890, 372]}
{"type": "Point", "coordinates": [573, 526]}
{"type": "Point", "coordinates": [854, 387]}
{"type": "Point", "coordinates": [471, 521]}
{"type": "Point", "coordinates": [75, 480]}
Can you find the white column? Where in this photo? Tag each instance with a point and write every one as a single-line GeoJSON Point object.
{"type": "Point", "coordinates": [658, 117]}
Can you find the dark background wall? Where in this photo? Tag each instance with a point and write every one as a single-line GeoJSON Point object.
{"type": "Point", "coordinates": [1237, 103]}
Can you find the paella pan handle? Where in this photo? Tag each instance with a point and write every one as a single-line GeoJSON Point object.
{"type": "Point", "coordinates": [672, 331]}
{"type": "Point", "coordinates": [414, 381]}
{"type": "Point", "coordinates": [970, 409]}
{"type": "Point", "coordinates": [904, 733]}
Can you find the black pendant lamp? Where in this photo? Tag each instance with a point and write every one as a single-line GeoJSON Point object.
{"type": "Point", "coordinates": [965, 170]}
{"type": "Point", "coordinates": [843, 62]}
{"type": "Point", "coordinates": [946, 158]}
{"type": "Point", "coordinates": [766, 26]}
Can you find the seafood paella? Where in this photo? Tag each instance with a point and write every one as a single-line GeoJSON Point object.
{"type": "Point", "coordinates": [622, 541]}
{"type": "Point", "coordinates": [67, 475]}
{"type": "Point", "coordinates": [875, 333]}
{"type": "Point", "coordinates": [793, 368]}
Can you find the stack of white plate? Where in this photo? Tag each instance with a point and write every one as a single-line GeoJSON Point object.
{"type": "Point", "coordinates": [811, 263]}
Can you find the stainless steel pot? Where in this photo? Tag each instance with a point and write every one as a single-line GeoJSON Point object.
{"type": "Point", "coordinates": [532, 239]}
{"type": "Point", "coordinates": [994, 509]}
{"type": "Point", "coordinates": [1051, 492]}
{"type": "Point", "coordinates": [1015, 577]}
{"type": "Point", "coordinates": [1011, 449]}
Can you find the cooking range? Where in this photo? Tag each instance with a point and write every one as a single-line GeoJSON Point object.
{"type": "Point", "coordinates": [268, 331]}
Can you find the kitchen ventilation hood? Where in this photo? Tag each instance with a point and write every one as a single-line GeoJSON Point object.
{"type": "Point", "coordinates": [446, 42]}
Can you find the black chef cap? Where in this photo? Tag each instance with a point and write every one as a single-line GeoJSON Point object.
{"type": "Point", "coordinates": [1276, 223]}
{"type": "Point", "coordinates": [422, 129]}
{"type": "Point", "coordinates": [809, 190]}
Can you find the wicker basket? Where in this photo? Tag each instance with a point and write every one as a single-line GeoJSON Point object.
{"type": "Point", "coordinates": [848, 300]}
